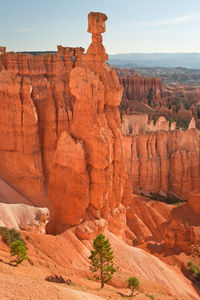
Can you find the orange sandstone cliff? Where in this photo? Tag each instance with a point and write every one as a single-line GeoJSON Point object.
{"type": "Point", "coordinates": [163, 162]}
{"type": "Point", "coordinates": [60, 142]}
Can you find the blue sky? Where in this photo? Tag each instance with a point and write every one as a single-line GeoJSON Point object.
{"type": "Point", "coordinates": [132, 26]}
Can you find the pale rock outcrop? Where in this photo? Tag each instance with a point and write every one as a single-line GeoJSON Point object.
{"type": "Point", "coordinates": [90, 229]}
{"type": "Point", "coordinates": [173, 125]}
{"type": "Point", "coordinates": [138, 123]}
{"type": "Point", "coordinates": [134, 124]}
{"type": "Point", "coordinates": [24, 217]}
{"type": "Point", "coordinates": [192, 124]}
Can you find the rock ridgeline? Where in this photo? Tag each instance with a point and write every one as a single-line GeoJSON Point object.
{"type": "Point", "coordinates": [60, 142]}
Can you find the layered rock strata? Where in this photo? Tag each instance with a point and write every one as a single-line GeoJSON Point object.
{"type": "Point", "coordinates": [60, 132]}
{"type": "Point", "coordinates": [143, 89]}
{"type": "Point", "coordinates": [164, 162]}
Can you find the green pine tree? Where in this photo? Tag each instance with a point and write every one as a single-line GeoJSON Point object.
{"type": "Point", "coordinates": [18, 249]}
{"type": "Point", "coordinates": [133, 284]}
{"type": "Point", "coordinates": [101, 259]}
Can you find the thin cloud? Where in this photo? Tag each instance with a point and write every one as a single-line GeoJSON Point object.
{"type": "Point", "coordinates": [164, 22]}
{"type": "Point", "coordinates": [161, 30]}
{"type": "Point", "coordinates": [23, 29]}
{"type": "Point", "coordinates": [169, 21]}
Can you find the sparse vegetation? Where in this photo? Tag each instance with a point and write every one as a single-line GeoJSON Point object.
{"type": "Point", "coordinates": [10, 235]}
{"type": "Point", "coordinates": [167, 199]}
{"type": "Point", "coordinates": [101, 259]}
{"type": "Point", "coordinates": [195, 271]}
{"type": "Point", "coordinates": [58, 279]}
{"type": "Point", "coordinates": [149, 296]}
{"type": "Point", "coordinates": [18, 249]}
{"type": "Point", "coordinates": [133, 284]}
{"type": "Point", "coordinates": [180, 123]}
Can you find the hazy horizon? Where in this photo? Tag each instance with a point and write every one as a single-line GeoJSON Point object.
{"type": "Point", "coordinates": [132, 27]}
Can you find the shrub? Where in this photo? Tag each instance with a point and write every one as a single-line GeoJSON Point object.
{"type": "Point", "coordinates": [149, 296]}
{"type": "Point", "coordinates": [101, 259]}
{"type": "Point", "coordinates": [10, 235]}
{"type": "Point", "coordinates": [58, 279]}
{"type": "Point", "coordinates": [18, 249]}
{"type": "Point", "coordinates": [133, 284]}
{"type": "Point", "coordinates": [194, 270]}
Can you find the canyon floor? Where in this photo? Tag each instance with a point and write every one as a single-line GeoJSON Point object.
{"type": "Point", "coordinates": [67, 256]}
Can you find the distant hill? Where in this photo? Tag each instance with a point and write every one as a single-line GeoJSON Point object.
{"type": "Point", "coordinates": [167, 60]}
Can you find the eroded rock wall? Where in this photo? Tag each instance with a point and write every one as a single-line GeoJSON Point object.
{"type": "Point", "coordinates": [60, 139]}
{"type": "Point", "coordinates": [164, 162]}
{"type": "Point", "coordinates": [143, 89]}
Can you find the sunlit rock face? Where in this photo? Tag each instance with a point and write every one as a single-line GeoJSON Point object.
{"type": "Point", "coordinates": [163, 162]}
{"type": "Point", "coordinates": [60, 142]}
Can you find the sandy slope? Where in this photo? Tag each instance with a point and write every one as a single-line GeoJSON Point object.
{"type": "Point", "coordinates": [16, 287]}
{"type": "Point", "coordinates": [65, 254]}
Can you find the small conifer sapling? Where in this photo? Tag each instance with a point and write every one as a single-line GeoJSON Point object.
{"type": "Point", "coordinates": [18, 249]}
{"type": "Point", "coordinates": [133, 284]}
{"type": "Point", "coordinates": [101, 259]}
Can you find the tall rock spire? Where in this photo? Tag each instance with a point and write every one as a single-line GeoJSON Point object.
{"type": "Point", "coordinates": [96, 26]}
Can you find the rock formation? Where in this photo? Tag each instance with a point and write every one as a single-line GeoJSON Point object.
{"type": "Point", "coordinates": [139, 123]}
{"type": "Point", "coordinates": [194, 202]}
{"type": "Point", "coordinates": [2, 50]}
{"type": "Point", "coordinates": [179, 235]}
{"type": "Point", "coordinates": [143, 89]}
{"type": "Point", "coordinates": [24, 217]}
{"type": "Point", "coordinates": [148, 95]}
{"type": "Point", "coordinates": [61, 146]}
{"type": "Point", "coordinates": [192, 124]}
{"type": "Point", "coordinates": [20, 154]}
{"type": "Point", "coordinates": [164, 162]}
{"type": "Point", "coordinates": [60, 143]}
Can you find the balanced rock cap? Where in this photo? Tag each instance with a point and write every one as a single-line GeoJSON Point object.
{"type": "Point", "coordinates": [96, 22]}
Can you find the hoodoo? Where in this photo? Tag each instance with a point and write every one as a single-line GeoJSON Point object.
{"type": "Point", "coordinates": [64, 147]}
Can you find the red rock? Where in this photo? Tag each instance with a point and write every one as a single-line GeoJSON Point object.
{"type": "Point", "coordinates": [194, 202]}
{"type": "Point", "coordinates": [69, 185]}
{"type": "Point", "coordinates": [143, 89]}
{"type": "Point", "coordinates": [179, 235]}
{"type": "Point", "coordinates": [164, 162]}
{"type": "Point", "coordinates": [20, 159]}
{"type": "Point", "coordinates": [70, 145]}
{"type": "Point", "coordinates": [90, 229]}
